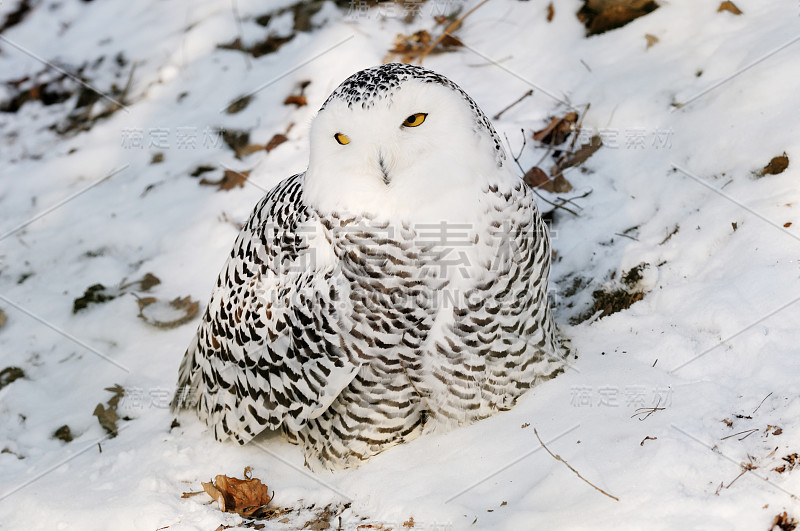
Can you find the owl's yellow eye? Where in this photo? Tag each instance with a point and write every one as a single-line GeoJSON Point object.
{"type": "Point", "coordinates": [341, 138]}
{"type": "Point", "coordinates": [415, 119]}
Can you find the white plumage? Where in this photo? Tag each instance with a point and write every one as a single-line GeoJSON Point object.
{"type": "Point", "coordinates": [398, 286]}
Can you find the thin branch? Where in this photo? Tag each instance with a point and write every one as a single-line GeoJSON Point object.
{"type": "Point", "coordinates": [745, 469]}
{"type": "Point", "coordinates": [540, 196]}
{"type": "Point", "coordinates": [578, 128]}
{"type": "Point", "coordinates": [559, 458]}
{"type": "Point", "coordinates": [499, 114]}
{"type": "Point", "coordinates": [759, 404]}
{"type": "Point", "coordinates": [748, 432]}
{"type": "Point", "coordinates": [647, 411]}
{"type": "Point", "coordinates": [452, 27]}
{"type": "Point", "coordinates": [625, 236]}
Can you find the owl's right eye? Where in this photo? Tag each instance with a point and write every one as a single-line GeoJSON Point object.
{"type": "Point", "coordinates": [341, 138]}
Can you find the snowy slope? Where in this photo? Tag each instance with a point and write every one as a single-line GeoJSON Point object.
{"type": "Point", "coordinates": [716, 332]}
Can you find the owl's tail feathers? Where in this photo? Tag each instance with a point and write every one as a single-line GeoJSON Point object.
{"type": "Point", "coordinates": [188, 392]}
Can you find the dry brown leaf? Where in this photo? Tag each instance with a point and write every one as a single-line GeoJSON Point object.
{"type": "Point", "coordinates": [559, 184]}
{"type": "Point", "coordinates": [148, 281]}
{"type": "Point", "coordinates": [246, 497]}
{"type": "Point", "coordinates": [185, 308]}
{"type": "Point", "coordinates": [9, 375]}
{"type": "Point", "coordinates": [409, 523]}
{"type": "Point", "coordinates": [776, 165]}
{"type": "Point", "coordinates": [407, 48]}
{"type": "Point", "coordinates": [651, 39]}
{"type": "Point", "coordinates": [63, 433]}
{"type": "Point", "coordinates": [276, 141]}
{"type": "Point", "coordinates": [107, 418]}
{"type": "Point", "coordinates": [550, 12]}
{"type": "Point", "coordinates": [3, 318]}
{"type": "Point", "coordinates": [600, 16]}
{"type": "Point", "coordinates": [730, 7]}
{"type": "Point", "coordinates": [558, 130]}
{"type": "Point", "coordinates": [784, 522]}
{"type": "Point", "coordinates": [230, 179]}
{"type": "Point", "coordinates": [583, 152]}
{"type": "Point", "coordinates": [239, 104]}
{"type": "Point", "coordinates": [535, 177]}
{"type": "Point", "coordinates": [295, 99]}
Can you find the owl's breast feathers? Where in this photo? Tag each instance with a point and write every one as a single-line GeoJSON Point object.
{"type": "Point", "coordinates": [354, 334]}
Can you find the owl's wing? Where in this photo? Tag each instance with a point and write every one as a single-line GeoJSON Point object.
{"type": "Point", "coordinates": [268, 352]}
{"type": "Point", "coordinates": [498, 339]}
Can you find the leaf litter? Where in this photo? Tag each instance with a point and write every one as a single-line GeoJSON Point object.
{"type": "Point", "coordinates": [107, 415]}
{"type": "Point", "coordinates": [248, 497]}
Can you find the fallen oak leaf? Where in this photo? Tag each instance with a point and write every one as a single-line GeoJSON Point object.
{"type": "Point", "coordinates": [246, 497]}
{"type": "Point", "coordinates": [651, 39]}
{"type": "Point", "coordinates": [216, 494]}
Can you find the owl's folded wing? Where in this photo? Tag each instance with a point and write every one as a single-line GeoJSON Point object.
{"type": "Point", "coordinates": [267, 353]}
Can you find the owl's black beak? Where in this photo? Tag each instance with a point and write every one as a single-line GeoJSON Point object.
{"type": "Point", "coordinates": [384, 169]}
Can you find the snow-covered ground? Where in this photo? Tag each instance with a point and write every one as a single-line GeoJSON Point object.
{"type": "Point", "coordinates": [713, 346]}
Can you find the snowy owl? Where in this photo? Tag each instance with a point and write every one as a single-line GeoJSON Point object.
{"type": "Point", "coordinates": [396, 287]}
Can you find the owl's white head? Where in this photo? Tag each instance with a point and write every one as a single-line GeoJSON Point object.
{"type": "Point", "coordinates": [401, 142]}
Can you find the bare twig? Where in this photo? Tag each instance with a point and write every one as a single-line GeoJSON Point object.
{"type": "Point", "coordinates": [540, 196]}
{"type": "Point", "coordinates": [578, 128]}
{"type": "Point", "coordinates": [647, 411]}
{"type": "Point", "coordinates": [745, 468]}
{"type": "Point", "coordinates": [748, 432]}
{"type": "Point", "coordinates": [499, 114]}
{"type": "Point", "coordinates": [759, 404]}
{"type": "Point", "coordinates": [452, 27]}
{"type": "Point", "coordinates": [625, 236]}
{"type": "Point", "coordinates": [559, 458]}
{"type": "Point", "coordinates": [648, 438]}
{"type": "Point", "coordinates": [670, 235]}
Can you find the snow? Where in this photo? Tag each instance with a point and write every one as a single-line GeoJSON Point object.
{"type": "Point", "coordinates": [715, 337]}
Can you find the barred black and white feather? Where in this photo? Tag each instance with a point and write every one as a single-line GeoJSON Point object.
{"type": "Point", "coordinates": [398, 286]}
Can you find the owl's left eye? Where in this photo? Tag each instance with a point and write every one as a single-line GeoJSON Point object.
{"type": "Point", "coordinates": [415, 119]}
{"type": "Point", "coordinates": [342, 139]}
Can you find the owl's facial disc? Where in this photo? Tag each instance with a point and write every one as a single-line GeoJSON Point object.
{"type": "Point", "coordinates": [399, 139]}
{"type": "Point", "coordinates": [413, 120]}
